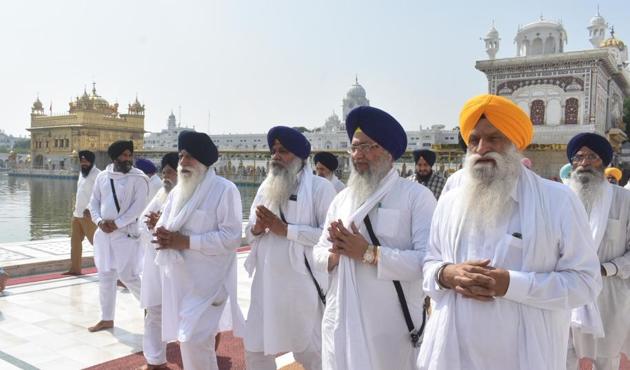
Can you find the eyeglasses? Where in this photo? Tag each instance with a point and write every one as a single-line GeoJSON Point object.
{"type": "Point", "coordinates": [363, 148]}
{"type": "Point", "coordinates": [580, 157]}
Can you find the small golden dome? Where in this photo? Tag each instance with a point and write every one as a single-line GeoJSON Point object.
{"type": "Point", "coordinates": [612, 43]}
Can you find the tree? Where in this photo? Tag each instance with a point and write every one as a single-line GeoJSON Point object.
{"type": "Point", "coordinates": [22, 145]}
{"type": "Point", "coordinates": [626, 115]}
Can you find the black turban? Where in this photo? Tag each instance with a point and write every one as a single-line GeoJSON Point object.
{"type": "Point", "coordinates": [170, 159]}
{"type": "Point", "coordinates": [328, 159]}
{"type": "Point", "coordinates": [594, 142]}
{"type": "Point", "coordinates": [291, 139]}
{"type": "Point", "coordinates": [199, 145]}
{"type": "Point", "coordinates": [118, 147]}
{"type": "Point", "coordinates": [87, 155]}
{"type": "Point", "coordinates": [380, 126]}
{"type": "Point", "coordinates": [426, 154]}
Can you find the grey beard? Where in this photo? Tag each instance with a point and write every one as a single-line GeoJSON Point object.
{"type": "Point", "coordinates": [486, 192]}
{"type": "Point", "coordinates": [588, 187]}
{"type": "Point", "coordinates": [187, 185]}
{"type": "Point", "coordinates": [280, 183]}
{"type": "Point", "coordinates": [362, 185]}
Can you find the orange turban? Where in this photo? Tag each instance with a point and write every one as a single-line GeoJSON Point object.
{"type": "Point", "coordinates": [614, 172]}
{"type": "Point", "coordinates": [502, 113]}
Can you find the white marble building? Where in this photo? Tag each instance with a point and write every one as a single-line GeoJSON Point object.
{"type": "Point", "coordinates": [165, 139]}
{"type": "Point", "coordinates": [565, 92]}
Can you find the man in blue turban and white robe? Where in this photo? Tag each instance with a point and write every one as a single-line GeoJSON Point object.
{"type": "Point", "coordinates": [197, 236]}
{"type": "Point", "coordinates": [286, 220]}
{"type": "Point", "coordinates": [365, 325]}
{"type": "Point", "coordinates": [608, 209]}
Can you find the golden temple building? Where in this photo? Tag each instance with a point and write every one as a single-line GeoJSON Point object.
{"type": "Point", "coordinates": [92, 123]}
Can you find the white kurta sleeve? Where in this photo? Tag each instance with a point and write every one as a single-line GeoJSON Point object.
{"type": "Point", "coordinates": [252, 219]}
{"type": "Point", "coordinates": [320, 250]}
{"type": "Point", "coordinates": [95, 202]}
{"type": "Point", "coordinates": [308, 235]}
{"type": "Point", "coordinates": [229, 219]}
{"type": "Point", "coordinates": [576, 280]}
{"type": "Point", "coordinates": [620, 266]}
{"type": "Point", "coordinates": [434, 257]}
{"type": "Point", "coordinates": [140, 191]}
{"type": "Point", "coordinates": [406, 264]}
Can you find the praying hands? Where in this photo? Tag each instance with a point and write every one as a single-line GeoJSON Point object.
{"type": "Point", "coordinates": [345, 243]}
{"type": "Point", "coordinates": [268, 221]}
{"type": "Point", "coordinates": [475, 279]}
{"type": "Point", "coordinates": [170, 239]}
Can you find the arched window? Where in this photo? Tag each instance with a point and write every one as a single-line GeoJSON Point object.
{"type": "Point", "coordinates": [571, 108]}
{"type": "Point", "coordinates": [550, 45]}
{"type": "Point", "coordinates": [537, 47]}
{"type": "Point", "coordinates": [537, 113]}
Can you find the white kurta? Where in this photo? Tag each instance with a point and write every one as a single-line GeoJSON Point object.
{"type": "Point", "coordinates": [115, 250]}
{"type": "Point", "coordinates": [401, 219]}
{"type": "Point", "coordinates": [155, 184]}
{"type": "Point", "coordinates": [614, 300]}
{"type": "Point", "coordinates": [285, 308]}
{"type": "Point", "coordinates": [453, 181]}
{"type": "Point", "coordinates": [84, 191]}
{"type": "Point", "coordinates": [151, 288]}
{"type": "Point", "coordinates": [339, 186]}
{"type": "Point", "coordinates": [196, 289]}
{"type": "Point", "coordinates": [553, 268]}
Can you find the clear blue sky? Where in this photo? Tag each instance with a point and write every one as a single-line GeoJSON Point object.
{"type": "Point", "coordinates": [254, 64]}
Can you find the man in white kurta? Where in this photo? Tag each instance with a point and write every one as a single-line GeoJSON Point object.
{"type": "Point", "coordinates": [82, 225]}
{"type": "Point", "coordinates": [509, 255]}
{"type": "Point", "coordinates": [119, 196]}
{"type": "Point", "coordinates": [197, 237]}
{"type": "Point", "coordinates": [364, 326]}
{"type": "Point", "coordinates": [286, 220]}
{"type": "Point", "coordinates": [153, 347]}
{"type": "Point", "coordinates": [608, 208]}
{"type": "Point", "coordinates": [325, 165]}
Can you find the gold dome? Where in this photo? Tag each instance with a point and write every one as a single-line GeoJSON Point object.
{"type": "Point", "coordinates": [612, 43]}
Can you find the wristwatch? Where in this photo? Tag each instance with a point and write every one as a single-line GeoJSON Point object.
{"type": "Point", "coordinates": [369, 255]}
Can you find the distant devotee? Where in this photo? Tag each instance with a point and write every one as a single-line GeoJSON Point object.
{"type": "Point", "coordinates": [372, 249]}
{"type": "Point", "coordinates": [82, 225]}
{"type": "Point", "coordinates": [153, 347]}
{"type": "Point", "coordinates": [197, 237]}
{"type": "Point", "coordinates": [119, 196]}
{"type": "Point", "coordinates": [613, 175]}
{"type": "Point", "coordinates": [325, 165]}
{"type": "Point", "coordinates": [149, 169]}
{"type": "Point", "coordinates": [510, 254]}
{"type": "Point", "coordinates": [608, 209]}
{"type": "Point", "coordinates": [424, 174]}
{"type": "Point", "coordinates": [286, 220]}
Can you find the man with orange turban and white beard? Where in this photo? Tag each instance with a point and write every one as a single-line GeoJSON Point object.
{"type": "Point", "coordinates": [510, 254]}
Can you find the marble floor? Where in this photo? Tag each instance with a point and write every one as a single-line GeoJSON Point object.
{"type": "Point", "coordinates": [43, 325]}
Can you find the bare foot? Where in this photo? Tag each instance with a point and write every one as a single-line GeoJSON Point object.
{"type": "Point", "coordinates": [101, 325]}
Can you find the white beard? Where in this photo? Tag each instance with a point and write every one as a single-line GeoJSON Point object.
{"type": "Point", "coordinates": [187, 184]}
{"type": "Point", "coordinates": [362, 185]}
{"type": "Point", "coordinates": [588, 186]}
{"type": "Point", "coordinates": [280, 183]}
{"type": "Point", "coordinates": [486, 191]}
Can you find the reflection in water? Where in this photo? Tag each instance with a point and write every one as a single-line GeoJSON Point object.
{"type": "Point", "coordinates": [40, 208]}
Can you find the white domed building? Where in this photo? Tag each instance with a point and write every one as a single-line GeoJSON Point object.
{"type": "Point", "coordinates": [564, 92]}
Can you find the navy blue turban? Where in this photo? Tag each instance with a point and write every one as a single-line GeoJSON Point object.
{"type": "Point", "coordinates": [170, 159]}
{"type": "Point", "coordinates": [87, 155]}
{"type": "Point", "coordinates": [380, 127]}
{"type": "Point", "coordinates": [327, 159]}
{"type": "Point", "coordinates": [118, 147]}
{"type": "Point", "coordinates": [199, 145]}
{"type": "Point", "coordinates": [146, 166]}
{"type": "Point", "coordinates": [594, 142]}
{"type": "Point", "coordinates": [291, 139]}
{"type": "Point", "coordinates": [426, 154]}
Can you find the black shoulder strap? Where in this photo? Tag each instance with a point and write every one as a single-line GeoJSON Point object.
{"type": "Point", "coordinates": [415, 335]}
{"type": "Point", "coordinates": [111, 182]}
{"type": "Point", "coordinates": [320, 292]}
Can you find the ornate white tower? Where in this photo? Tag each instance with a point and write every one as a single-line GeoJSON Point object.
{"type": "Point", "coordinates": [597, 30]}
{"type": "Point", "coordinates": [354, 98]}
{"type": "Point", "coordinates": [492, 42]}
{"type": "Point", "coordinates": [172, 123]}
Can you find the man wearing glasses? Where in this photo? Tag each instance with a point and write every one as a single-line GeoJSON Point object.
{"type": "Point", "coordinates": [608, 209]}
{"type": "Point", "coordinates": [286, 220]}
{"type": "Point", "coordinates": [373, 249]}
